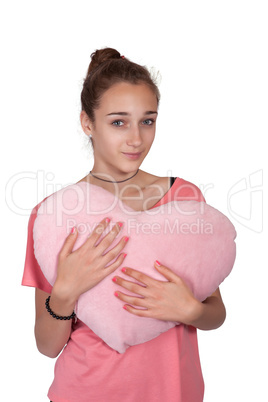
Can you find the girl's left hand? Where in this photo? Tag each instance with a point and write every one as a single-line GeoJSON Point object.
{"type": "Point", "coordinates": [170, 300]}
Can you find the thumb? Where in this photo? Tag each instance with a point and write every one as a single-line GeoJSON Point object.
{"type": "Point", "coordinates": [68, 245]}
{"type": "Point", "coordinates": [165, 271]}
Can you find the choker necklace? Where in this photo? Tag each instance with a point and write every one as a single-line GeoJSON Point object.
{"type": "Point", "coordinates": [110, 181]}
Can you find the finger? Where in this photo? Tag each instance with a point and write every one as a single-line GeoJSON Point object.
{"type": "Point", "coordinates": [96, 233]}
{"type": "Point", "coordinates": [134, 301]}
{"type": "Point", "coordinates": [112, 267]}
{"type": "Point", "coordinates": [139, 276]}
{"type": "Point", "coordinates": [137, 311]}
{"type": "Point", "coordinates": [68, 245]}
{"type": "Point", "coordinates": [131, 286]}
{"type": "Point", "coordinates": [166, 272]}
{"type": "Point", "coordinates": [114, 252]}
{"type": "Point", "coordinates": [109, 238]}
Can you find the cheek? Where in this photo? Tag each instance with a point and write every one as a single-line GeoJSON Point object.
{"type": "Point", "coordinates": [110, 144]}
{"type": "Point", "coordinates": [105, 138]}
{"type": "Point", "coordinates": [149, 138]}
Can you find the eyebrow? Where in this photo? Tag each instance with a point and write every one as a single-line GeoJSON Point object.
{"type": "Point", "coordinates": [127, 114]}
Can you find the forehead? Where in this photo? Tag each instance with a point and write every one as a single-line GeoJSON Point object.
{"type": "Point", "coordinates": [125, 96]}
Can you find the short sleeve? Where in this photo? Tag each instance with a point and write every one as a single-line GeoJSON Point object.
{"type": "Point", "coordinates": [33, 275]}
{"type": "Point", "coordinates": [184, 190]}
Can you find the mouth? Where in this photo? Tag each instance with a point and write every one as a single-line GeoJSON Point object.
{"type": "Point", "coordinates": [132, 155]}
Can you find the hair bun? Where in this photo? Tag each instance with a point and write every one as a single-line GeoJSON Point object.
{"type": "Point", "coordinates": [107, 68]}
{"type": "Point", "coordinates": [102, 55]}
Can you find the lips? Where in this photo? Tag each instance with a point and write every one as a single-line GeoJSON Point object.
{"type": "Point", "coordinates": [132, 155]}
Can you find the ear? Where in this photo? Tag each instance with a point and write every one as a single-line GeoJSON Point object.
{"type": "Point", "coordinates": [86, 123]}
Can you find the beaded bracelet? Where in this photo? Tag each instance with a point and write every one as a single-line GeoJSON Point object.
{"type": "Point", "coordinates": [58, 317]}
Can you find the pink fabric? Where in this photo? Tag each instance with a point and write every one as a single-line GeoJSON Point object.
{"type": "Point", "coordinates": [33, 275]}
{"type": "Point", "coordinates": [166, 368]}
{"type": "Point", "coordinates": [191, 237]}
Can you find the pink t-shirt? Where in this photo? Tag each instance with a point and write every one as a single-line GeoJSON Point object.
{"type": "Point", "coordinates": [165, 369]}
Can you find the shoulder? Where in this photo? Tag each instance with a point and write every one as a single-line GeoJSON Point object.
{"type": "Point", "coordinates": [181, 188]}
{"type": "Point", "coordinates": [184, 189]}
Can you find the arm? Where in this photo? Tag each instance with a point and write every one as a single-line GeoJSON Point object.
{"type": "Point", "coordinates": [170, 300]}
{"type": "Point", "coordinates": [51, 335]}
{"type": "Point", "coordinates": [211, 313]}
{"type": "Point", "coordinates": [77, 272]}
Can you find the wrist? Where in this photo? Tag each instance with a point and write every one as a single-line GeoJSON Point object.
{"type": "Point", "coordinates": [210, 314]}
{"type": "Point", "coordinates": [54, 315]}
{"type": "Point", "coordinates": [196, 313]}
{"type": "Point", "coordinates": [62, 304]}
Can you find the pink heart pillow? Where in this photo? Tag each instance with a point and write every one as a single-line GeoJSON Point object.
{"type": "Point", "coordinates": [193, 239]}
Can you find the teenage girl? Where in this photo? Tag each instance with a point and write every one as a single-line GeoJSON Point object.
{"type": "Point", "coordinates": [119, 112]}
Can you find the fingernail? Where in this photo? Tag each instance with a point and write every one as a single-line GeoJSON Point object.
{"type": "Point", "coordinates": [73, 230]}
{"type": "Point", "coordinates": [157, 263]}
{"type": "Point", "coordinates": [125, 255]}
{"type": "Point", "coordinates": [126, 238]}
{"type": "Point", "coordinates": [114, 279]}
{"type": "Point", "coordinates": [107, 220]}
{"type": "Point", "coordinates": [124, 269]}
{"type": "Point", "coordinates": [120, 224]}
{"type": "Point", "coordinates": [116, 294]}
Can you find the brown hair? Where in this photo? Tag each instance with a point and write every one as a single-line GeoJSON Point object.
{"type": "Point", "coordinates": [107, 68]}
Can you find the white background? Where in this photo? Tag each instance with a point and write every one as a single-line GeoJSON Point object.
{"type": "Point", "coordinates": [212, 56]}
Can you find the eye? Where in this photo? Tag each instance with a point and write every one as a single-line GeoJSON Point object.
{"type": "Point", "coordinates": [117, 123]}
{"type": "Point", "coordinates": [148, 122]}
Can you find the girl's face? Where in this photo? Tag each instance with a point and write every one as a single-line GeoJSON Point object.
{"type": "Point", "coordinates": [124, 128]}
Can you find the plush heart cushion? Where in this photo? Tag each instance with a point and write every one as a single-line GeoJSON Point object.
{"type": "Point", "coordinates": [193, 239]}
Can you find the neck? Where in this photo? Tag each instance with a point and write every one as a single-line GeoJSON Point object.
{"type": "Point", "coordinates": [103, 177]}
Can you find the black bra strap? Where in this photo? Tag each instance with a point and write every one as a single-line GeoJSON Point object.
{"type": "Point", "coordinates": [172, 179]}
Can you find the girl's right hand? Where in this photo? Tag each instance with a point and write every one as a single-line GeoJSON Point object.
{"type": "Point", "coordinates": [82, 269]}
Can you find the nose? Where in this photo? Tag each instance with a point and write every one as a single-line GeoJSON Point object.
{"type": "Point", "coordinates": [134, 136]}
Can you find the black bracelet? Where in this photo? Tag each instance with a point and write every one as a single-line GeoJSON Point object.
{"type": "Point", "coordinates": [58, 317]}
